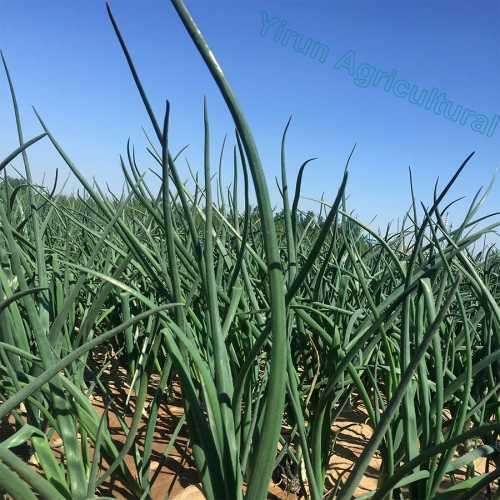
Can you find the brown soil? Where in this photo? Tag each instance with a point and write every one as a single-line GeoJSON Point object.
{"type": "Point", "coordinates": [350, 443]}
{"type": "Point", "coordinates": [179, 471]}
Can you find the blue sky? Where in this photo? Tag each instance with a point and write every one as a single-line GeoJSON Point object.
{"type": "Point", "coordinates": [65, 60]}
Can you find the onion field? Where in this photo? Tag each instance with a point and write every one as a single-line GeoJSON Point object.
{"type": "Point", "coordinates": [271, 322]}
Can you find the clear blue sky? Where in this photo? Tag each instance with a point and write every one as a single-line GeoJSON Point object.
{"type": "Point", "coordinates": [65, 60]}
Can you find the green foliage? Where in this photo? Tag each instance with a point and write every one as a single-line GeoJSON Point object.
{"type": "Point", "coordinates": [266, 319]}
